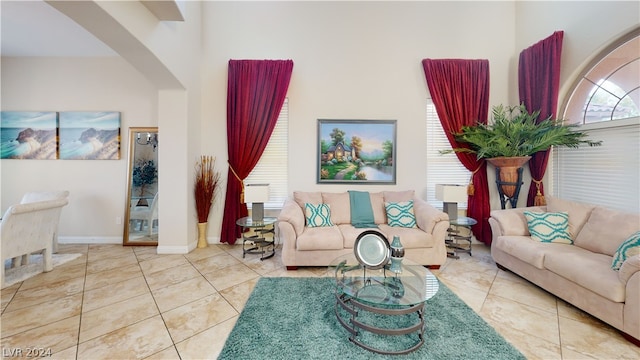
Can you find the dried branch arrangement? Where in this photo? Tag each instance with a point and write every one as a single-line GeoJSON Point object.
{"type": "Point", "coordinates": [206, 184]}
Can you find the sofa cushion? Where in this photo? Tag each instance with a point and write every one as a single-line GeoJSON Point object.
{"type": "Point", "coordinates": [317, 215]}
{"type": "Point", "coordinates": [524, 248]}
{"type": "Point", "coordinates": [340, 207]}
{"type": "Point", "coordinates": [411, 238]}
{"type": "Point", "coordinates": [549, 227]}
{"type": "Point", "coordinates": [320, 238]}
{"type": "Point", "coordinates": [628, 248]}
{"type": "Point", "coordinates": [379, 212]}
{"type": "Point", "coordinates": [350, 233]}
{"type": "Point", "coordinates": [606, 229]}
{"type": "Point", "coordinates": [578, 212]}
{"type": "Point", "coordinates": [397, 196]}
{"type": "Point", "coordinates": [587, 269]}
{"type": "Point", "coordinates": [303, 197]}
{"type": "Point", "coordinates": [400, 214]}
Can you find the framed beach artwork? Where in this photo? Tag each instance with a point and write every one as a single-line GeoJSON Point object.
{"type": "Point", "coordinates": [28, 135]}
{"type": "Point", "coordinates": [89, 135]}
{"type": "Point", "coordinates": [356, 151]}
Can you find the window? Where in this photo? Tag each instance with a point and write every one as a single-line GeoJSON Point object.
{"type": "Point", "coordinates": [605, 100]}
{"type": "Point", "coordinates": [441, 169]}
{"type": "Point", "coordinates": [272, 168]}
{"type": "Point", "coordinates": [609, 88]}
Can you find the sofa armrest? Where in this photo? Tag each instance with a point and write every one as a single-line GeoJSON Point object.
{"type": "Point", "coordinates": [427, 216]}
{"type": "Point", "coordinates": [292, 214]}
{"type": "Point", "coordinates": [628, 268]}
{"type": "Point", "coordinates": [511, 221]}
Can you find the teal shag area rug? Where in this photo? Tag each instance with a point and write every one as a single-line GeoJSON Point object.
{"type": "Point", "coordinates": [294, 318]}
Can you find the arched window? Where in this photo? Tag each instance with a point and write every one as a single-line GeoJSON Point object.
{"type": "Point", "coordinates": [608, 89]}
{"type": "Point", "coordinates": [605, 103]}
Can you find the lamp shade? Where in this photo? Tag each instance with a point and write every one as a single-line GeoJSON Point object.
{"type": "Point", "coordinates": [451, 193]}
{"type": "Point", "coordinates": [256, 193]}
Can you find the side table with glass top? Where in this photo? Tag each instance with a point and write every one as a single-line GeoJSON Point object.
{"type": "Point", "coordinates": [458, 240]}
{"type": "Point", "coordinates": [380, 303]}
{"type": "Point", "coordinates": [257, 242]}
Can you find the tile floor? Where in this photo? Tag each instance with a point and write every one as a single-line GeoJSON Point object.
{"type": "Point", "coordinates": [119, 302]}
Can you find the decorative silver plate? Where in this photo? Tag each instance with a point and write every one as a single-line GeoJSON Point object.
{"type": "Point", "coordinates": [372, 249]}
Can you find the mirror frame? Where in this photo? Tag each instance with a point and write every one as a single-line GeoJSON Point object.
{"type": "Point", "coordinates": [132, 147]}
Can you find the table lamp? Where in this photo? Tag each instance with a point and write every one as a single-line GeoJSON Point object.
{"type": "Point", "coordinates": [451, 195]}
{"type": "Point", "coordinates": [257, 195]}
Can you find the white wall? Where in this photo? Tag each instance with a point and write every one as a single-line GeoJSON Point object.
{"type": "Point", "coordinates": [355, 60]}
{"type": "Point", "coordinates": [97, 187]}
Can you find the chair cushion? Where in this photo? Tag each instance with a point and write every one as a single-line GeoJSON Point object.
{"type": "Point", "coordinates": [627, 249]}
{"type": "Point", "coordinates": [317, 215]}
{"type": "Point", "coordinates": [549, 227]}
{"type": "Point", "coordinates": [400, 214]}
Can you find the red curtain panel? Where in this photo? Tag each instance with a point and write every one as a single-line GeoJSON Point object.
{"type": "Point", "coordinates": [539, 83]}
{"type": "Point", "coordinates": [255, 93]}
{"type": "Point", "coordinates": [460, 92]}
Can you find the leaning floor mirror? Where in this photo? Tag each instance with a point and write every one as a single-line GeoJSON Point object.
{"type": "Point", "coordinates": [141, 204]}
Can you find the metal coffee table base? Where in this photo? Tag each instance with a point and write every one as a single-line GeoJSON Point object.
{"type": "Point", "coordinates": [353, 325]}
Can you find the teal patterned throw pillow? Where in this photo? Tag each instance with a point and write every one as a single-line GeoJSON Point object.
{"type": "Point", "coordinates": [317, 215]}
{"type": "Point", "coordinates": [549, 227]}
{"type": "Point", "coordinates": [628, 248]}
{"type": "Point", "coordinates": [400, 214]}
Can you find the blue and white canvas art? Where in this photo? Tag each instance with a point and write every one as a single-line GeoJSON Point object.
{"type": "Point", "coordinates": [89, 135]}
{"type": "Point", "coordinates": [28, 135]}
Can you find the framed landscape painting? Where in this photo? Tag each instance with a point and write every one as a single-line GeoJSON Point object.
{"type": "Point", "coordinates": [89, 135]}
{"type": "Point", "coordinates": [28, 135]}
{"type": "Point", "coordinates": [356, 151]}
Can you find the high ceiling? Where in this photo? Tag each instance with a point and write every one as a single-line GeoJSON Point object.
{"type": "Point", "coordinates": [34, 28]}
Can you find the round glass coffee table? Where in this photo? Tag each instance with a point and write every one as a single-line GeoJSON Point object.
{"type": "Point", "coordinates": [379, 307]}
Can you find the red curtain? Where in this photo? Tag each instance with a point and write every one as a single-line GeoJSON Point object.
{"type": "Point", "coordinates": [256, 91]}
{"type": "Point", "coordinates": [460, 92]}
{"type": "Point", "coordinates": [539, 83]}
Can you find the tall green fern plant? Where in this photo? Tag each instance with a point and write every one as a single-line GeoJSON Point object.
{"type": "Point", "coordinates": [514, 132]}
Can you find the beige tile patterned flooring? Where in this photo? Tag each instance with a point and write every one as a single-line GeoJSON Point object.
{"type": "Point", "coordinates": [119, 302]}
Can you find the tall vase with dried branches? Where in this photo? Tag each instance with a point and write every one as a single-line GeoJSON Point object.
{"type": "Point", "coordinates": [205, 190]}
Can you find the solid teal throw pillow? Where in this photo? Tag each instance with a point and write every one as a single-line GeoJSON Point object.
{"type": "Point", "coordinates": [317, 215]}
{"type": "Point", "coordinates": [549, 227]}
{"type": "Point", "coordinates": [628, 248]}
{"type": "Point", "coordinates": [400, 214]}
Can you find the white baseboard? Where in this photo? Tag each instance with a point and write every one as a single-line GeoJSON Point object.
{"type": "Point", "coordinates": [162, 249]}
{"type": "Point", "coordinates": [90, 240]}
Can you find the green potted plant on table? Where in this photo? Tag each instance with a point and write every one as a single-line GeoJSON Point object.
{"type": "Point", "coordinates": [510, 139]}
{"type": "Point", "coordinates": [205, 190]}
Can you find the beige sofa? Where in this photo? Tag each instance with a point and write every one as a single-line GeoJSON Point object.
{"type": "Point", "coordinates": [579, 273]}
{"type": "Point", "coordinates": [318, 246]}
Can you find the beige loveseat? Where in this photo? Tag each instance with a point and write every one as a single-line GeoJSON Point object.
{"type": "Point", "coordinates": [318, 246]}
{"type": "Point", "coordinates": [579, 273]}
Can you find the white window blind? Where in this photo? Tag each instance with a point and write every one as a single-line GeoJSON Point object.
{"type": "Point", "coordinates": [606, 175]}
{"type": "Point", "coordinates": [441, 169]}
{"type": "Point", "coordinates": [272, 168]}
